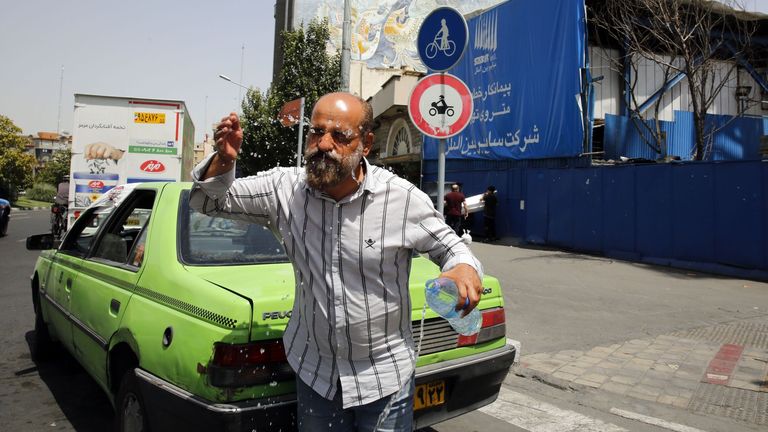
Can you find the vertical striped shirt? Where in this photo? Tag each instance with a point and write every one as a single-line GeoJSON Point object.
{"type": "Point", "coordinates": [351, 319]}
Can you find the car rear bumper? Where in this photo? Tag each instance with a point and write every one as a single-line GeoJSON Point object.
{"type": "Point", "coordinates": [461, 377]}
{"type": "Point", "coordinates": [172, 408]}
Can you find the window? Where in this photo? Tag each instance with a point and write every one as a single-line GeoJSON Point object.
{"type": "Point", "coordinates": [119, 239]}
{"type": "Point", "coordinates": [206, 240]}
{"type": "Point", "coordinates": [400, 139]}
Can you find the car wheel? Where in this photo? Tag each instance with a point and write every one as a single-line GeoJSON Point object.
{"type": "Point", "coordinates": [3, 224]}
{"type": "Point", "coordinates": [42, 345]}
{"type": "Point", "coordinates": [131, 413]}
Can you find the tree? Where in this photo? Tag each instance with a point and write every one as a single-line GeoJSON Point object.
{"type": "Point", "coordinates": [16, 166]}
{"type": "Point", "coordinates": [700, 39]}
{"type": "Point", "coordinates": [308, 71]}
{"type": "Point", "coordinates": [54, 171]}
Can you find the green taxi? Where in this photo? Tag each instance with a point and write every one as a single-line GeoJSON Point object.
{"type": "Point", "coordinates": [178, 317]}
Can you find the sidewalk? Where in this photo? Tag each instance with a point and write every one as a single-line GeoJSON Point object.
{"type": "Point", "coordinates": [719, 370]}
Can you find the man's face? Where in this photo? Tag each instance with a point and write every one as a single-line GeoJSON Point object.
{"type": "Point", "coordinates": [335, 142]}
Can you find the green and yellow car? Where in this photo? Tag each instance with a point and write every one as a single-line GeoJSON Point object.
{"type": "Point", "coordinates": [178, 316]}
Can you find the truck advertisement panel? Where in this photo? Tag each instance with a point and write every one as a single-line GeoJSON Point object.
{"type": "Point", "coordinates": [523, 66]}
{"type": "Point", "coordinates": [122, 140]}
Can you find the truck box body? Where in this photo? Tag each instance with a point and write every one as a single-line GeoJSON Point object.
{"type": "Point", "coordinates": [119, 140]}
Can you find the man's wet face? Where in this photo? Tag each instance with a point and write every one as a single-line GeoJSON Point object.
{"type": "Point", "coordinates": [335, 144]}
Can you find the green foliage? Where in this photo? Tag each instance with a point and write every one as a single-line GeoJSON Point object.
{"type": "Point", "coordinates": [16, 166]}
{"type": "Point", "coordinates": [41, 192]}
{"type": "Point", "coordinates": [56, 168]}
{"type": "Point", "coordinates": [309, 71]}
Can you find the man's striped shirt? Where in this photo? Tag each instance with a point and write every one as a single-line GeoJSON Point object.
{"type": "Point", "coordinates": [351, 318]}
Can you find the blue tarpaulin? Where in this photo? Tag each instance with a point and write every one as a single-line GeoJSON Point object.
{"type": "Point", "coordinates": [523, 65]}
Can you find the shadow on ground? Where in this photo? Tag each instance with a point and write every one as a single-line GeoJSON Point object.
{"type": "Point", "coordinates": [82, 401]}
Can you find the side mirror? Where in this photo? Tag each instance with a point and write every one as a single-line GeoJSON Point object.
{"type": "Point", "coordinates": [41, 242]}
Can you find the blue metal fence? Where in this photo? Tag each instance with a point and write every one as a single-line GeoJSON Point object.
{"type": "Point", "coordinates": [710, 216]}
{"type": "Point", "coordinates": [737, 138]}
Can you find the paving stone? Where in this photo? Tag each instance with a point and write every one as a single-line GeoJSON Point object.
{"type": "Point", "coordinates": [565, 376]}
{"type": "Point", "coordinates": [639, 364]}
{"type": "Point", "coordinates": [609, 365]}
{"type": "Point", "coordinates": [684, 383]}
{"type": "Point", "coordinates": [643, 396]}
{"type": "Point", "coordinates": [590, 359]}
{"type": "Point", "coordinates": [573, 370]}
{"type": "Point", "coordinates": [537, 356]}
{"type": "Point", "coordinates": [648, 355]}
{"type": "Point", "coordinates": [595, 377]}
{"type": "Point", "coordinates": [649, 390]}
{"type": "Point", "coordinates": [618, 355]}
{"type": "Point", "coordinates": [571, 353]}
{"type": "Point", "coordinates": [615, 387]}
{"type": "Point", "coordinates": [650, 382]}
{"type": "Point", "coordinates": [675, 401]}
{"type": "Point", "coordinates": [626, 380]}
{"type": "Point", "coordinates": [587, 383]}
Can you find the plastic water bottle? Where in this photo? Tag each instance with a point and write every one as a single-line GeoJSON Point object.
{"type": "Point", "coordinates": [442, 296]}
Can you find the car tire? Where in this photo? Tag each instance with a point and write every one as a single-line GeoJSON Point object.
{"type": "Point", "coordinates": [130, 408]}
{"type": "Point", "coordinates": [42, 345]}
{"type": "Point", "coordinates": [3, 225]}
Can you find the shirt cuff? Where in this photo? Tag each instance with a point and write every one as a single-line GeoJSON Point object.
{"type": "Point", "coordinates": [464, 258]}
{"type": "Point", "coordinates": [215, 186]}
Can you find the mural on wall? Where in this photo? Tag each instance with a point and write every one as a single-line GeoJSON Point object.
{"type": "Point", "coordinates": [383, 31]}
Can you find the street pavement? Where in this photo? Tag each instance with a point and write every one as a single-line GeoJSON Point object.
{"type": "Point", "coordinates": [606, 346]}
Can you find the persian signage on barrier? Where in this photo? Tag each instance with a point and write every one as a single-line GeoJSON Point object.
{"type": "Point", "coordinates": [525, 81]}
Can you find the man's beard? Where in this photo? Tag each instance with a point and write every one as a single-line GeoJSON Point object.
{"type": "Point", "coordinates": [328, 169]}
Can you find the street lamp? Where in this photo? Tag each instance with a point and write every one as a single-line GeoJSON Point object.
{"type": "Point", "coordinates": [226, 78]}
{"type": "Point", "coordinates": [239, 96]}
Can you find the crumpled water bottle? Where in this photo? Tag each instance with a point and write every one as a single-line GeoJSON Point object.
{"type": "Point", "coordinates": [442, 296]}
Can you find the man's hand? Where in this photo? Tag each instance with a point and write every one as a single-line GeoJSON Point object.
{"type": "Point", "coordinates": [469, 285]}
{"type": "Point", "coordinates": [229, 138]}
{"type": "Point", "coordinates": [102, 150]}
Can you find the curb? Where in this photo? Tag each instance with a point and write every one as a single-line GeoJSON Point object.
{"type": "Point", "coordinates": [558, 383]}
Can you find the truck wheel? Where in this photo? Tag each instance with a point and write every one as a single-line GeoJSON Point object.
{"type": "Point", "coordinates": [42, 345]}
{"type": "Point", "coordinates": [131, 413]}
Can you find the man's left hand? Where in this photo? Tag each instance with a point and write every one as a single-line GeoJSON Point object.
{"type": "Point", "coordinates": [468, 282]}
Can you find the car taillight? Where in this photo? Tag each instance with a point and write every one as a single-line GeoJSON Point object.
{"type": "Point", "coordinates": [244, 365]}
{"type": "Point", "coordinates": [55, 209]}
{"type": "Point", "coordinates": [493, 327]}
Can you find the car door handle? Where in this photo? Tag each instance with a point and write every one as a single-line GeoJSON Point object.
{"type": "Point", "coordinates": [114, 306]}
{"type": "Point", "coordinates": [69, 284]}
{"type": "Point", "coordinates": [61, 276]}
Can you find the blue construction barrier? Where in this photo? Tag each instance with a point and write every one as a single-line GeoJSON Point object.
{"type": "Point", "coordinates": [707, 216]}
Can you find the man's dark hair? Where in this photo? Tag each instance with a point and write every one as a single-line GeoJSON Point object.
{"type": "Point", "coordinates": [491, 188]}
{"type": "Point", "coordinates": [367, 124]}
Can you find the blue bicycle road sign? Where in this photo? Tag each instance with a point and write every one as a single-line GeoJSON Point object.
{"type": "Point", "coordinates": [442, 39]}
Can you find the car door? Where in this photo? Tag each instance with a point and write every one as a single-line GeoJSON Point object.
{"type": "Point", "coordinates": [107, 279]}
{"type": "Point", "coordinates": [63, 272]}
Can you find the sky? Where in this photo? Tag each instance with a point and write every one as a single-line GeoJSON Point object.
{"type": "Point", "coordinates": [169, 49]}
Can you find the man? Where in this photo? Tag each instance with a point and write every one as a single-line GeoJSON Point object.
{"type": "Point", "coordinates": [349, 229]}
{"type": "Point", "coordinates": [455, 209]}
{"type": "Point", "coordinates": [489, 201]}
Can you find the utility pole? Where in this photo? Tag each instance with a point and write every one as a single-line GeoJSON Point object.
{"type": "Point", "coordinates": [239, 92]}
{"type": "Point", "coordinates": [61, 86]}
{"type": "Point", "coordinates": [345, 48]}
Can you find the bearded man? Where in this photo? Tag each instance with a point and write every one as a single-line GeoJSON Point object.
{"type": "Point", "coordinates": [349, 229]}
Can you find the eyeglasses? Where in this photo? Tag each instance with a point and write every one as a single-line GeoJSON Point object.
{"type": "Point", "coordinates": [339, 137]}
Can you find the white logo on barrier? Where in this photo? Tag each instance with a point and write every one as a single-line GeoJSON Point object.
{"type": "Point", "coordinates": [486, 32]}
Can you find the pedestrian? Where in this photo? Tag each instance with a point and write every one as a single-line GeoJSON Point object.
{"type": "Point", "coordinates": [349, 229]}
{"type": "Point", "coordinates": [455, 209]}
{"type": "Point", "coordinates": [489, 201]}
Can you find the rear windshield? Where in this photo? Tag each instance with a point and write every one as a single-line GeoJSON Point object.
{"type": "Point", "coordinates": [206, 240]}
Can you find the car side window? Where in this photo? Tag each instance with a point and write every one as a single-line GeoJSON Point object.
{"type": "Point", "coordinates": [124, 232]}
{"type": "Point", "coordinates": [79, 239]}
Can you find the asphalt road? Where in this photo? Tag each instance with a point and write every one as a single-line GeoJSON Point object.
{"type": "Point", "coordinates": [554, 301]}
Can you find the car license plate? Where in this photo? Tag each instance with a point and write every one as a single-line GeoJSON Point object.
{"type": "Point", "coordinates": [429, 395]}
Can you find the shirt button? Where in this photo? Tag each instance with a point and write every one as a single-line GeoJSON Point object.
{"type": "Point", "coordinates": [338, 205]}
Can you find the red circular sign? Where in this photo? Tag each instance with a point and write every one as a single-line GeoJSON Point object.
{"type": "Point", "coordinates": [95, 184]}
{"type": "Point", "coordinates": [440, 105]}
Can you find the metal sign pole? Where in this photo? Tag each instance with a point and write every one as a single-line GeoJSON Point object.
{"type": "Point", "coordinates": [301, 134]}
{"type": "Point", "coordinates": [440, 175]}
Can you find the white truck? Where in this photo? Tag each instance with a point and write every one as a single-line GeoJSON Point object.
{"type": "Point", "coordinates": [121, 140]}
